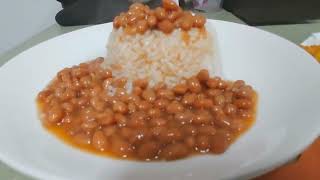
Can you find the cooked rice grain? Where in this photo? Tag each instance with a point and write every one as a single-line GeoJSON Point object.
{"type": "Point", "coordinates": [160, 57]}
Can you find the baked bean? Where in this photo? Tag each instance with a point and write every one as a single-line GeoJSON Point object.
{"type": "Point", "coordinates": [82, 101]}
{"type": "Point", "coordinates": [136, 6]}
{"type": "Point", "coordinates": [142, 83]}
{"type": "Point", "coordinates": [202, 117]}
{"type": "Point", "coordinates": [109, 130]}
{"type": "Point", "coordinates": [243, 103]}
{"type": "Point", "coordinates": [194, 85]}
{"type": "Point", "coordinates": [142, 26]}
{"type": "Point", "coordinates": [174, 107]}
{"type": "Point", "coordinates": [68, 107]}
{"type": "Point", "coordinates": [131, 107]}
{"type": "Point", "coordinates": [154, 113]}
{"type": "Point", "coordinates": [99, 141]}
{"type": "Point", "coordinates": [121, 147]}
{"type": "Point", "coordinates": [123, 19]}
{"type": "Point", "coordinates": [180, 89]}
{"type": "Point", "coordinates": [238, 84]}
{"type": "Point", "coordinates": [220, 142]}
{"type": "Point", "coordinates": [106, 117]}
{"type": "Point", "coordinates": [155, 131]}
{"type": "Point", "coordinates": [173, 15]}
{"type": "Point", "coordinates": [126, 132]}
{"type": "Point", "coordinates": [222, 85]}
{"type": "Point", "coordinates": [137, 91]}
{"type": "Point", "coordinates": [89, 125]}
{"type": "Point", "coordinates": [177, 23]}
{"type": "Point", "coordinates": [67, 119]}
{"type": "Point", "coordinates": [169, 5]}
{"type": "Point", "coordinates": [170, 135]}
{"type": "Point", "coordinates": [203, 103]}
{"type": "Point", "coordinates": [245, 92]}
{"type": "Point", "coordinates": [152, 21]}
{"type": "Point", "coordinates": [161, 103]}
{"type": "Point", "coordinates": [95, 91]}
{"type": "Point", "coordinates": [140, 135]}
{"type": "Point", "coordinates": [86, 81]}
{"type": "Point", "coordinates": [137, 119]}
{"type": "Point", "coordinates": [148, 150]}
{"type": "Point", "coordinates": [82, 139]}
{"type": "Point", "coordinates": [199, 21]}
{"type": "Point", "coordinates": [165, 93]}
{"type": "Point", "coordinates": [148, 11]}
{"type": "Point", "coordinates": [166, 26]}
{"type": "Point", "coordinates": [219, 100]}
{"type": "Point", "coordinates": [44, 94]}
{"type": "Point", "coordinates": [190, 130]}
{"type": "Point", "coordinates": [230, 109]}
{"type": "Point", "coordinates": [120, 92]}
{"type": "Point", "coordinates": [132, 19]}
{"type": "Point", "coordinates": [116, 22]}
{"type": "Point", "coordinates": [121, 120]}
{"type": "Point", "coordinates": [236, 125]}
{"type": "Point", "coordinates": [97, 103]}
{"type": "Point", "coordinates": [186, 23]}
{"type": "Point", "coordinates": [202, 143]}
{"type": "Point", "coordinates": [208, 130]}
{"type": "Point", "coordinates": [157, 122]}
{"type": "Point", "coordinates": [143, 105]}
{"type": "Point", "coordinates": [133, 98]}
{"type": "Point", "coordinates": [79, 72]}
{"type": "Point", "coordinates": [203, 75]}
{"type": "Point", "coordinates": [160, 13]}
{"type": "Point", "coordinates": [138, 13]}
{"type": "Point", "coordinates": [149, 95]}
{"type": "Point", "coordinates": [243, 114]}
{"type": "Point", "coordinates": [228, 96]}
{"type": "Point", "coordinates": [184, 117]}
{"type": "Point", "coordinates": [213, 82]}
{"type": "Point", "coordinates": [131, 30]}
{"type": "Point", "coordinates": [190, 141]}
{"type": "Point", "coordinates": [174, 151]}
{"type": "Point", "coordinates": [120, 83]}
{"type": "Point", "coordinates": [55, 114]}
{"type": "Point", "coordinates": [120, 107]}
{"type": "Point", "coordinates": [188, 99]}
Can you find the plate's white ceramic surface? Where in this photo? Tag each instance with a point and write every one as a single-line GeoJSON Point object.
{"type": "Point", "coordinates": [286, 78]}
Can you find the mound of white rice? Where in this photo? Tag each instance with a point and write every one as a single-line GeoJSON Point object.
{"type": "Point", "coordinates": [160, 57]}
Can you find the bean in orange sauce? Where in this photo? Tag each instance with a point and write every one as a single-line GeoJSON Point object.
{"type": "Point", "coordinates": [90, 109]}
{"type": "Point", "coordinates": [140, 18]}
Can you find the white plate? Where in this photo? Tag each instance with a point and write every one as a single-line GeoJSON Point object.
{"type": "Point", "coordinates": [286, 78]}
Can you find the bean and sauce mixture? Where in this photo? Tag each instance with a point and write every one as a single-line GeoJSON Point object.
{"type": "Point", "coordinates": [89, 108]}
{"type": "Point", "coordinates": [141, 18]}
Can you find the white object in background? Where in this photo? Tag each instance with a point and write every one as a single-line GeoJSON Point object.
{"type": "Point", "coordinates": [314, 39]}
{"type": "Point", "coordinates": [287, 118]}
{"type": "Point", "coordinates": [21, 19]}
{"type": "Point", "coordinates": [207, 5]}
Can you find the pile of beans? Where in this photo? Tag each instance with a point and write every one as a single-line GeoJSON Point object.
{"type": "Point", "coordinates": [200, 115]}
{"type": "Point", "coordinates": [140, 18]}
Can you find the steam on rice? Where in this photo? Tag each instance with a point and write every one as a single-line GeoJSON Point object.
{"type": "Point", "coordinates": [160, 57]}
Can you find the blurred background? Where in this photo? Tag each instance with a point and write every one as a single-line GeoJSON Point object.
{"type": "Point", "coordinates": [21, 19]}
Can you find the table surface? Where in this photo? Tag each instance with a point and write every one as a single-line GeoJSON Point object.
{"type": "Point", "coordinates": [295, 33]}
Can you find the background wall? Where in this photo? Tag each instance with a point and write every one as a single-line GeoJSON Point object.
{"type": "Point", "coordinates": [21, 19]}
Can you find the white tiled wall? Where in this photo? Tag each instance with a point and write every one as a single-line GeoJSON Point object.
{"type": "Point", "coordinates": [21, 19]}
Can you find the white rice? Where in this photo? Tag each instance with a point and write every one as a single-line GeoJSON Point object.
{"type": "Point", "coordinates": [161, 57]}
